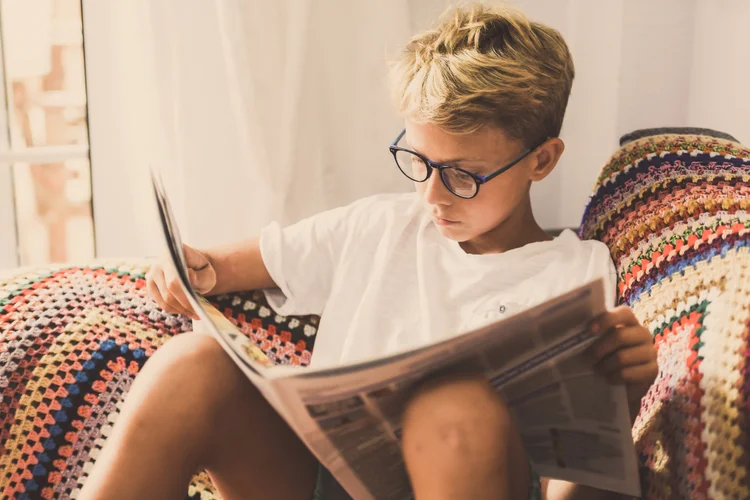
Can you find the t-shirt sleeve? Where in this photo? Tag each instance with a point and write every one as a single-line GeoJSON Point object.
{"type": "Point", "coordinates": [302, 258]}
{"type": "Point", "coordinates": [601, 265]}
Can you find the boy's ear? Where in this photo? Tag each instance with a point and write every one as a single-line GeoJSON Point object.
{"type": "Point", "coordinates": [546, 156]}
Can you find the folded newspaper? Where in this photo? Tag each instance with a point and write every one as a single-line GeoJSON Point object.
{"type": "Point", "coordinates": [574, 425]}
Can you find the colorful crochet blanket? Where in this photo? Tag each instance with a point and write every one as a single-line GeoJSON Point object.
{"type": "Point", "coordinates": [72, 340]}
{"type": "Point", "coordinates": [673, 210]}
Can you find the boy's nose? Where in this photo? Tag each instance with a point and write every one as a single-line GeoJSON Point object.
{"type": "Point", "coordinates": [435, 192]}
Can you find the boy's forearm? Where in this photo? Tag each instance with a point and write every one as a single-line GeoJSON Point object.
{"type": "Point", "coordinates": [239, 266]}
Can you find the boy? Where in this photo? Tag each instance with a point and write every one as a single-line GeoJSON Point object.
{"type": "Point", "coordinates": [483, 97]}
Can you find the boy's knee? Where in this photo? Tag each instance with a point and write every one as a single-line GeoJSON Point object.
{"type": "Point", "coordinates": [458, 434]}
{"type": "Point", "coordinates": [190, 367]}
{"type": "Point", "coordinates": [460, 414]}
{"type": "Point", "coordinates": [197, 351]}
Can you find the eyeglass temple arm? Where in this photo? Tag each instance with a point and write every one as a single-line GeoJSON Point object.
{"type": "Point", "coordinates": [513, 163]}
{"type": "Point", "coordinates": [403, 132]}
{"type": "Point", "coordinates": [506, 167]}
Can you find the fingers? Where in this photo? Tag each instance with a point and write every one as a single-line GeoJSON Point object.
{"type": "Point", "coordinates": [195, 259]}
{"type": "Point", "coordinates": [155, 294]}
{"type": "Point", "coordinates": [623, 359]}
{"type": "Point", "coordinates": [204, 280]}
{"type": "Point", "coordinates": [201, 272]}
{"type": "Point", "coordinates": [170, 301]}
{"type": "Point", "coordinates": [165, 287]}
{"type": "Point", "coordinates": [619, 338]}
{"type": "Point", "coordinates": [167, 292]}
{"type": "Point", "coordinates": [174, 295]}
{"type": "Point", "coordinates": [620, 316]}
{"type": "Point", "coordinates": [624, 352]}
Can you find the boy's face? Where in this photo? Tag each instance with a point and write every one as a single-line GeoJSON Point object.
{"type": "Point", "coordinates": [482, 152]}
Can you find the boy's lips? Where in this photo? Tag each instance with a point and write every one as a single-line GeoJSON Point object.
{"type": "Point", "coordinates": [443, 222]}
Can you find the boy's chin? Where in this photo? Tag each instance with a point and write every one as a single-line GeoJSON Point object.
{"type": "Point", "coordinates": [456, 233]}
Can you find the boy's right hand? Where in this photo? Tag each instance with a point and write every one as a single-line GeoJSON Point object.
{"type": "Point", "coordinates": [164, 287]}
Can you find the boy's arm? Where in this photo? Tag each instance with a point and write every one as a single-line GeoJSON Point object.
{"type": "Point", "coordinates": [238, 266]}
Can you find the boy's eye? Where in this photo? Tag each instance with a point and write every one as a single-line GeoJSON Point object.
{"type": "Point", "coordinates": [460, 182]}
{"type": "Point", "coordinates": [418, 167]}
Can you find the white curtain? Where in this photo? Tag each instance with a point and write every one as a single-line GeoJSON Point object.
{"type": "Point", "coordinates": [258, 111]}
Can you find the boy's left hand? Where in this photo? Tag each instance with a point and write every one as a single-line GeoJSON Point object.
{"type": "Point", "coordinates": [624, 353]}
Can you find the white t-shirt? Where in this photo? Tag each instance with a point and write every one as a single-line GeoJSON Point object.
{"type": "Point", "coordinates": [384, 280]}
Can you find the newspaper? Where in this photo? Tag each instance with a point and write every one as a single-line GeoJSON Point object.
{"type": "Point", "coordinates": [574, 425]}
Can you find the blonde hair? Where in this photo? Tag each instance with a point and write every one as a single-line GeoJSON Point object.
{"type": "Point", "coordinates": [486, 66]}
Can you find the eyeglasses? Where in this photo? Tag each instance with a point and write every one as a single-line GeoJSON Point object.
{"type": "Point", "coordinates": [458, 181]}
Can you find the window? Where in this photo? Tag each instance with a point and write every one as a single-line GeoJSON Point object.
{"type": "Point", "coordinates": [45, 173]}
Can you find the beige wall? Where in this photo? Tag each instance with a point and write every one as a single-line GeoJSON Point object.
{"type": "Point", "coordinates": [265, 110]}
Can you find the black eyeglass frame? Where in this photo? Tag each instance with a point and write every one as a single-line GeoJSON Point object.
{"type": "Point", "coordinates": [479, 179]}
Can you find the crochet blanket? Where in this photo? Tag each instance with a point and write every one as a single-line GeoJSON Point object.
{"type": "Point", "coordinates": [72, 340]}
{"type": "Point", "coordinates": [673, 210]}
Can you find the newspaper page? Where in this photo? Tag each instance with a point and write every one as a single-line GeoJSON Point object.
{"type": "Point", "coordinates": [574, 425]}
{"type": "Point", "coordinates": [248, 357]}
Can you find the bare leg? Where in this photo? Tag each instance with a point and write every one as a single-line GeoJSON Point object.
{"type": "Point", "coordinates": [192, 408]}
{"type": "Point", "coordinates": [459, 441]}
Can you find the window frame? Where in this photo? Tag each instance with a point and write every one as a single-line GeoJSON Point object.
{"type": "Point", "coordinates": [10, 250]}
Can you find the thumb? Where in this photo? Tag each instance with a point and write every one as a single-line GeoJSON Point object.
{"type": "Point", "coordinates": [203, 280]}
{"type": "Point", "coordinates": [194, 259]}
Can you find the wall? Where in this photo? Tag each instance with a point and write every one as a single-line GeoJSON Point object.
{"type": "Point", "coordinates": [279, 110]}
